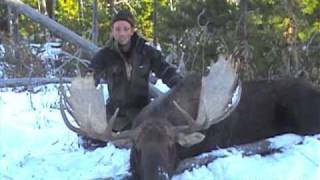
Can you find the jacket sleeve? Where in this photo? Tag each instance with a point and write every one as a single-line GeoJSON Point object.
{"type": "Point", "coordinates": [97, 66]}
{"type": "Point", "coordinates": [163, 69]}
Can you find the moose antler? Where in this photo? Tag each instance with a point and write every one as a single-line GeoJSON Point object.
{"type": "Point", "coordinates": [219, 96]}
{"type": "Point", "coordinates": [86, 105]}
{"type": "Point", "coordinates": [220, 92]}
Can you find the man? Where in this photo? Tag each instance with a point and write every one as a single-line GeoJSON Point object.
{"type": "Point", "coordinates": [125, 64]}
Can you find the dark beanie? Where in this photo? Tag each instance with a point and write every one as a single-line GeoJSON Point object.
{"type": "Point", "coordinates": [124, 15]}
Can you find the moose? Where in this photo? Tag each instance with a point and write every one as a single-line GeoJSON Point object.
{"type": "Point", "coordinates": [200, 114]}
{"type": "Point", "coordinates": [267, 108]}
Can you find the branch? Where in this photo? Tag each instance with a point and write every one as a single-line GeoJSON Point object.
{"type": "Point", "coordinates": [38, 81]}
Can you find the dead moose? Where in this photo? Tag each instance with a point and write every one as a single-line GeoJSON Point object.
{"type": "Point", "coordinates": [267, 108]}
{"type": "Point", "coordinates": [198, 115]}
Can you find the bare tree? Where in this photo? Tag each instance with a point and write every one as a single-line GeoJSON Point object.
{"type": "Point", "coordinates": [14, 31]}
{"type": "Point", "coordinates": [80, 15]}
{"type": "Point", "coordinates": [110, 6]}
{"type": "Point", "coordinates": [4, 22]}
{"type": "Point", "coordinates": [154, 19]}
{"type": "Point", "coordinates": [95, 32]}
{"type": "Point", "coordinates": [50, 8]}
{"type": "Point", "coordinates": [243, 51]}
{"type": "Point", "coordinates": [291, 37]}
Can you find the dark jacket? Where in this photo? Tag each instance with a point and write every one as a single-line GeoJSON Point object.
{"type": "Point", "coordinates": [127, 75]}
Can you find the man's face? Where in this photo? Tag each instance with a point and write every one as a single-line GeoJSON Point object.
{"type": "Point", "coordinates": [122, 32]}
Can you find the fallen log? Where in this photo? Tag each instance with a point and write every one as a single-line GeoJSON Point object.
{"type": "Point", "coordinates": [39, 81]}
{"type": "Point", "coordinates": [30, 82]}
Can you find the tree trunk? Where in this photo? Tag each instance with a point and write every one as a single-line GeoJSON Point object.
{"type": "Point", "coordinates": [43, 7]}
{"type": "Point", "coordinates": [111, 7]}
{"type": "Point", "coordinates": [14, 32]}
{"type": "Point", "coordinates": [154, 18]}
{"type": "Point", "coordinates": [243, 21]}
{"type": "Point", "coordinates": [10, 20]}
{"type": "Point", "coordinates": [4, 20]}
{"type": "Point", "coordinates": [81, 16]}
{"type": "Point", "coordinates": [50, 8]}
{"type": "Point", "coordinates": [292, 39]}
{"type": "Point", "coordinates": [95, 21]}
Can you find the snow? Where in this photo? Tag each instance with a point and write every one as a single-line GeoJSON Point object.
{"type": "Point", "coordinates": [33, 137]}
{"type": "Point", "coordinates": [35, 144]}
{"type": "Point", "coordinates": [50, 50]}
{"type": "Point", "coordinates": [296, 162]}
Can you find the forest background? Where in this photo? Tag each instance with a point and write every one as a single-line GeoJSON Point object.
{"type": "Point", "coordinates": [271, 38]}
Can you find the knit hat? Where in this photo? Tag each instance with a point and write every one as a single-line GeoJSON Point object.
{"type": "Point", "coordinates": [124, 15]}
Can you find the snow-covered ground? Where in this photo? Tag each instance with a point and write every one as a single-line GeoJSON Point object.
{"type": "Point", "coordinates": [35, 144]}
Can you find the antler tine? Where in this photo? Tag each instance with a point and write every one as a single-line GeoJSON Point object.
{"type": "Point", "coordinates": [62, 108]}
{"type": "Point", "coordinates": [185, 114]}
{"type": "Point", "coordinates": [67, 104]}
{"type": "Point", "coordinates": [66, 120]}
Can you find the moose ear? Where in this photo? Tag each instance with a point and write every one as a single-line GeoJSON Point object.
{"type": "Point", "coordinates": [187, 140]}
